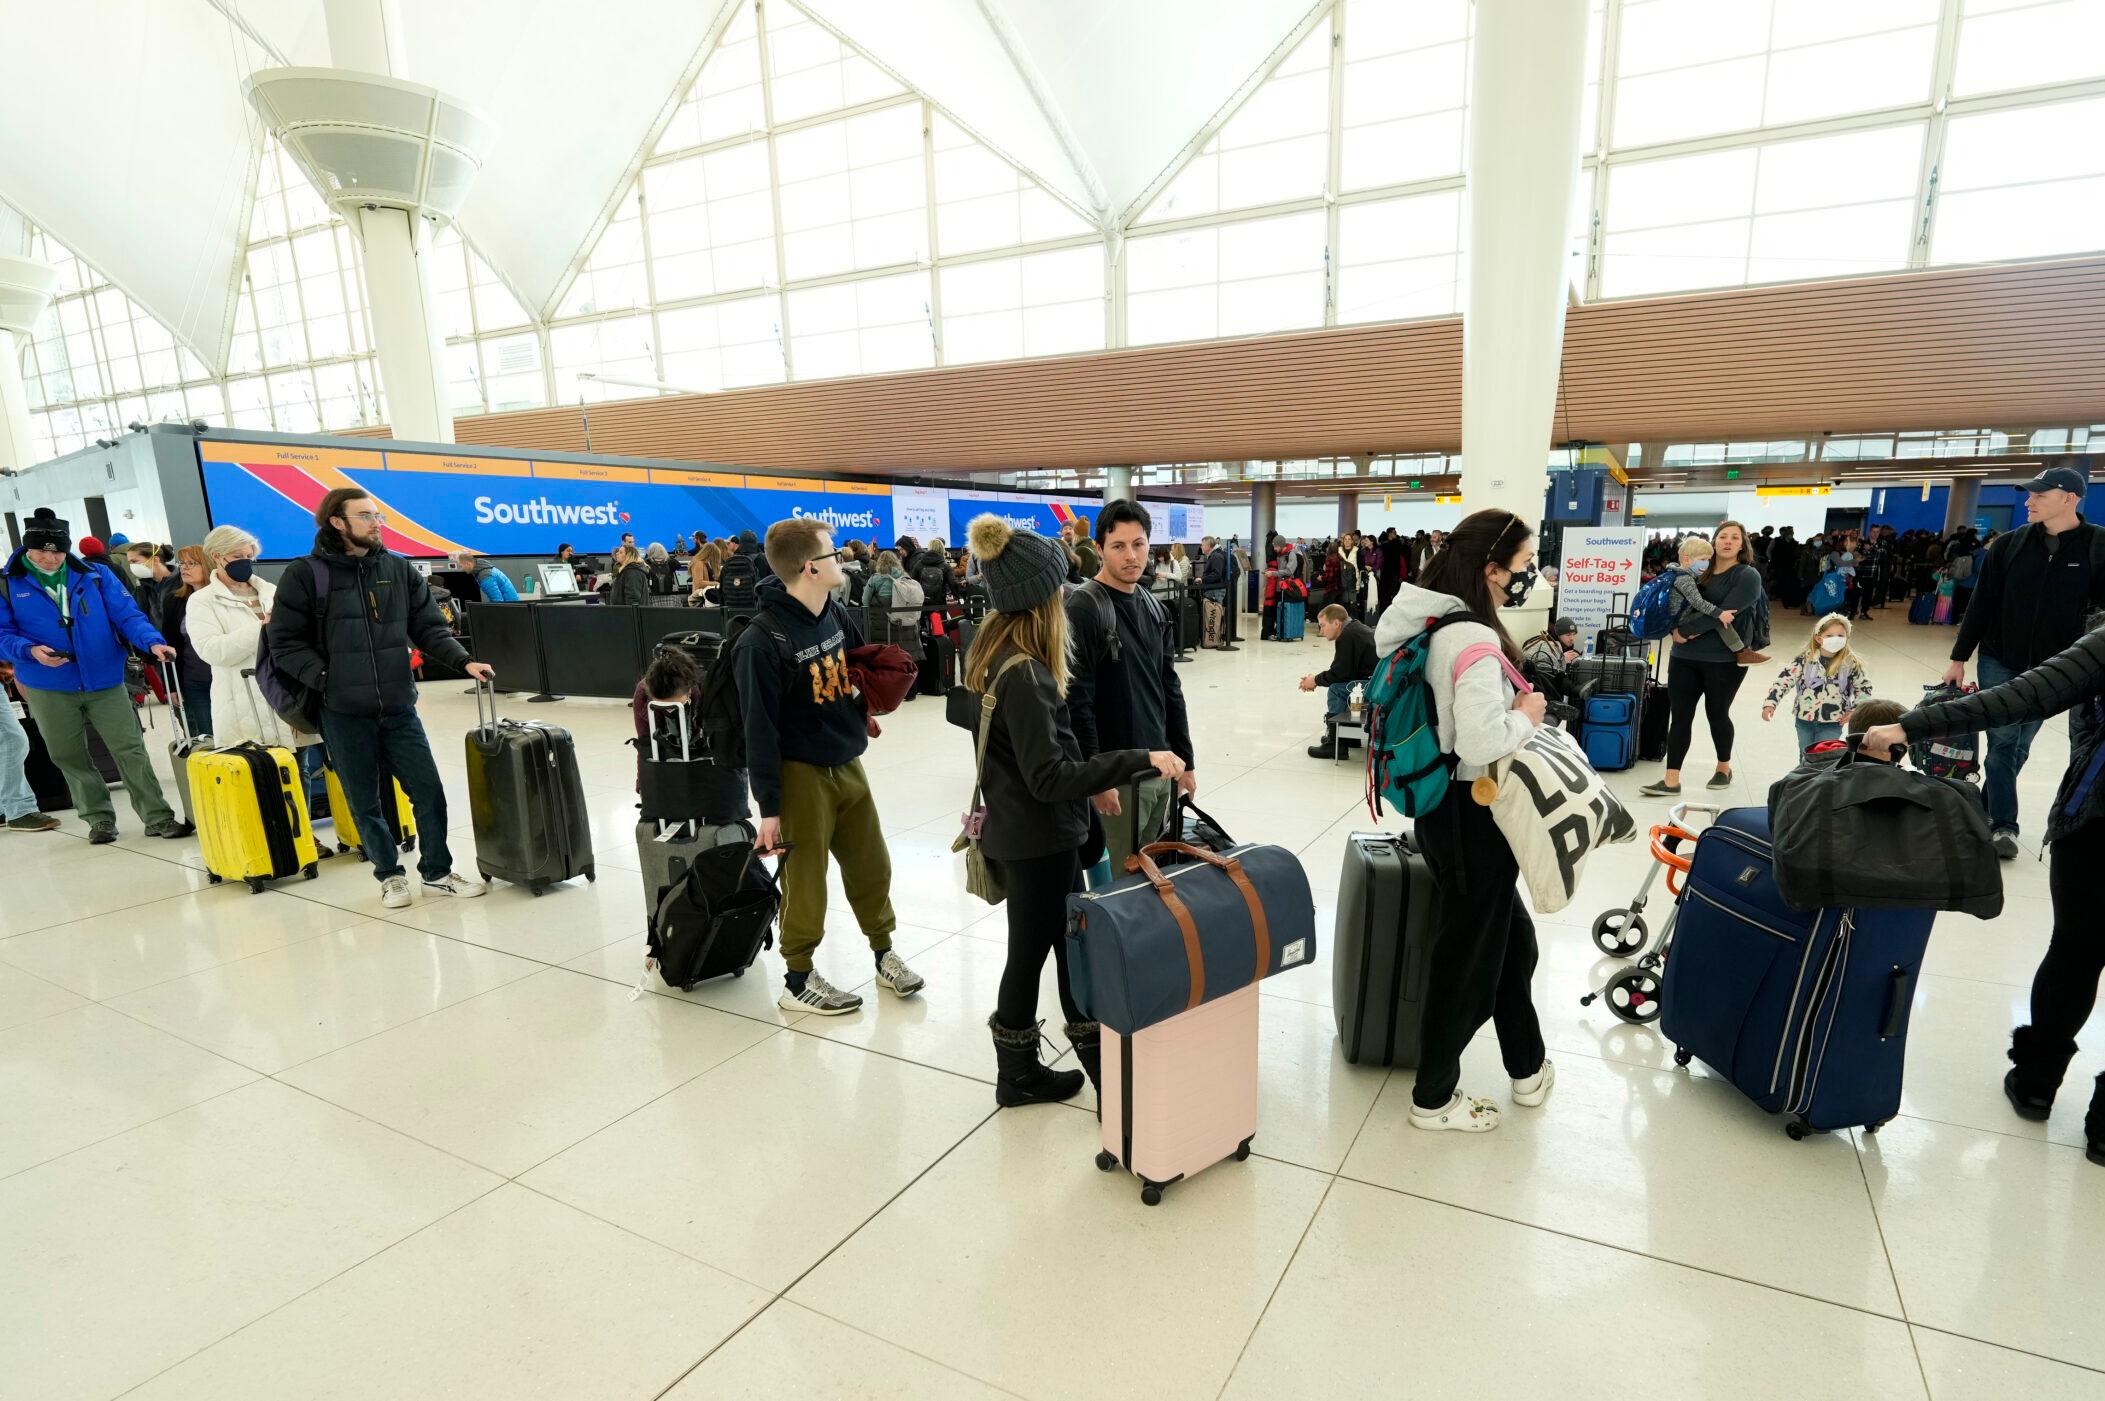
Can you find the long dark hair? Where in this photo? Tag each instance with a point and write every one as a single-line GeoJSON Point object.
{"type": "Point", "coordinates": [1487, 537]}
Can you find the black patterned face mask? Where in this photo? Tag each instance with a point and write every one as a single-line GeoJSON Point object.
{"type": "Point", "coordinates": [1518, 586]}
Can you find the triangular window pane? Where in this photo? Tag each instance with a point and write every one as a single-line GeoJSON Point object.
{"type": "Point", "coordinates": [984, 202]}
{"type": "Point", "coordinates": [811, 72]}
{"type": "Point", "coordinates": [725, 100]}
{"type": "Point", "coordinates": [1276, 147]}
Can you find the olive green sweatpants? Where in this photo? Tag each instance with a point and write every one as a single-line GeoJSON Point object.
{"type": "Point", "coordinates": [829, 812]}
{"type": "Point", "coordinates": [63, 718]}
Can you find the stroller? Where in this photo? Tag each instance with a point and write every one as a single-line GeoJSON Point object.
{"type": "Point", "coordinates": [1632, 994]}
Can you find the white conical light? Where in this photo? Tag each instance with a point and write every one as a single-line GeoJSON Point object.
{"type": "Point", "coordinates": [364, 139]}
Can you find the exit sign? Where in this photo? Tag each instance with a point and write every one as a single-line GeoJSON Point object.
{"type": "Point", "coordinates": [1732, 474]}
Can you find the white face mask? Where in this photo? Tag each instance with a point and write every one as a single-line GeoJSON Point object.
{"type": "Point", "coordinates": [1832, 645]}
{"type": "Point", "coordinates": [142, 571]}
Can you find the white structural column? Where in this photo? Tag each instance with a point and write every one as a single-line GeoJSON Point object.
{"type": "Point", "coordinates": [1527, 81]}
{"type": "Point", "coordinates": [1118, 484]}
{"type": "Point", "coordinates": [366, 36]}
{"type": "Point", "coordinates": [25, 290]}
{"type": "Point", "coordinates": [1962, 503]}
{"type": "Point", "coordinates": [1264, 519]}
{"type": "Point", "coordinates": [1527, 84]}
{"type": "Point", "coordinates": [406, 341]}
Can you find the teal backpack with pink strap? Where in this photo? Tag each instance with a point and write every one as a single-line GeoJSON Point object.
{"type": "Point", "coordinates": [1405, 763]}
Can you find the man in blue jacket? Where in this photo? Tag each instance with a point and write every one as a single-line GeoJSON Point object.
{"type": "Point", "coordinates": [64, 625]}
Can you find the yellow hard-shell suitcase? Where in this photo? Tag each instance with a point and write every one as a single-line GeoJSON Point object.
{"type": "Point", "coordinates": [347, 838]}
{"type": "Point", "coordinates": [252, 814]}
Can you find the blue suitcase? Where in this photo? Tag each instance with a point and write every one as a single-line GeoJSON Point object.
{"type": "Point", "coordinates": [1806, 1013]}
{"type": "Point", "coordinates": [1923, 611]}
{"type": "Point", "coordinates": [1608, 731]}
{"type": "Point", "coordinates": [1293, 617]}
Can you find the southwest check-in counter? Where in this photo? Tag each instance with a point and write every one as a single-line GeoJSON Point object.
{"type": "Point", "coordinates": [578, 647]}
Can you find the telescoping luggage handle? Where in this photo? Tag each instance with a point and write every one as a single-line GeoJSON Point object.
{"type": "Point", "coordinates": [176, 715]}
{"type": "Point", "coordinates": [486, 692]}
{"type": "Point", "coordinates": [1260, 928]}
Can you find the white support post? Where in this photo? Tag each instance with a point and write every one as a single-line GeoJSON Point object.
{"type": "Point", "coordinates": [17, 447]}
{"type": "Point", "coordinates": [405, 324]}
{"type": "Point", "coordinates": [1118, 484]}
{"type": "Point", "coordinates": [1527, 85]}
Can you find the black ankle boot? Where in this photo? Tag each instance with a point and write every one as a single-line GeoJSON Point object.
{"type": "Point", "coordinates": [1023, 1078]}
{"type": "Point", "coordinates": [1087, 1040]}
{"type": "Point", "coordinates": [2036, 1070]}
{"type": "Point", "coordinates": [2094, 1125]}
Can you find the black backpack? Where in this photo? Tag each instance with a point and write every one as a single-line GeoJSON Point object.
{"type": "Point", "coordinates": [1107, 615]}
{"type": "Point", "coordinates": [716, 916]}
{"type": "Point", "coordinates": [932, 573]}
{"type": "Point", "coordinates": [737, 586]}
{"type": "Point", "coordinates": [722, 714]}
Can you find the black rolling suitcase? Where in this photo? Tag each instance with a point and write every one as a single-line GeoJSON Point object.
{"type": "Point", "coordinates": [1611, 676]}
{"type": "Point", "coordinates": [1653, 720]}
{"type": "Point", "coordinates": [531, 827]}
{"type": "Point", "coordinates": [709, 900]}
{"type": "Point", "coordinates": [938, 667]}
{"type": "Point", "coordinates": [1383, 949]}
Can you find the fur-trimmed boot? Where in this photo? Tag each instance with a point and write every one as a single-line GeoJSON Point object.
{"type": "Point", "coordinates": [1022, 1077]}
{"type": "Point", "coordinates": [2036, 1068]}
{"type": "Point", "coordinates": [1087, 1040]}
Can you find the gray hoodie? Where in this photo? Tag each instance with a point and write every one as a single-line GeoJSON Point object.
{"type": "Point", "coordinates": [1477, 722]}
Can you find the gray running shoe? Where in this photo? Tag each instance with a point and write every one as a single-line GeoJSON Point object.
{"type": "Point", "coordinates": [820, 998]}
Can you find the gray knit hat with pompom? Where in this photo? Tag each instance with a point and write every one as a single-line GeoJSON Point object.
{"type": "Point", "coordinates": [1022, 568]}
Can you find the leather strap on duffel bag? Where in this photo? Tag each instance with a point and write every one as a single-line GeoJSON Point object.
{"type": "Point", "coordinates": [1185, 927]}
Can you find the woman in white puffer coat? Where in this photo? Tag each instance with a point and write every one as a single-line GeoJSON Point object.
{"type": "Point", "coordinates": [1484, 956]}
{"type": "Point", "coordinates": [225, 620]}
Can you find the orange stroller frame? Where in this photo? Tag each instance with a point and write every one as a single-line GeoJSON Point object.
{"type": "Point", "coordinates": [1632, 993]}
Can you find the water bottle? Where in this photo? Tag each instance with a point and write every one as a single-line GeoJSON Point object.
{"type": "Point", "coordinates": [531, 584]}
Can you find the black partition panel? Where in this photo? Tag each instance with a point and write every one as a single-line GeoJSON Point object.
{"type": "Point", "coordinates": [661, 623]}
{"type": "Point", "coordinates": [591, 651]}
{"type": "Point", "coordinates": [504, 637]}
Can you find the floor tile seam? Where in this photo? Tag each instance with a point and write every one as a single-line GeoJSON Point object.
{"type": "Point", "coordinates": [133, 1128]}
{"type": "Point", "coordinates": [111, 913]}
{"type": "Point", "coordinates": [804, 1028]}
{"type": "Point", "coordinates": [1710, 1270]}
{"type": "Point", "coordinates": [748, 1321]}
{"type": "Point", "coordinates": [1272, 1294]}
{"type": "Point", "coordinates": [774, 1022]}
{"type": "Point", "coordinates": [1856, 1141]}
{"type": "Point", "coordinates": [56, 1011]}
{"type": "Point", "coordinates": [2041, 1139]}
{"type": "Point", "coordinates": [288, 1303]}
{"type": "Point", "coordinates": [630, 1113]}
{"type": "Point", "coordinates": [766, 1290]}
{"type": "Point", "coordinates": [389, 1128]}
{"type": "Point", "coordinates": [2005, 1347]}
{"type": "Point", "coordinates": [951, 1367]}
{"type": "Point", "coordinates": [225, 963]}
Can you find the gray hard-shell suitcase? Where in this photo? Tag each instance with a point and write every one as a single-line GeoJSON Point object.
{"type": "Point", "coordinates": [183, 745]}
{"type": "Point", "coordinates": [531, 827]}
{"type": "Point", "coordinates": [1382, 950]}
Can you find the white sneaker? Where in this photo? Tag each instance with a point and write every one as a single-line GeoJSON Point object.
{"type": "Point", "coordinates": [454, 883]}
{"type": "Point", "coordinates": [394, 893]}
{"type": "Point", "coordinates": [895, 977]}
{"type": "Point", "coordinates": [1530, 1093]}
{"type": "Point", "coordinates": [819, 997]}
{"type": "Point", "coordinates": [1462, 1114]}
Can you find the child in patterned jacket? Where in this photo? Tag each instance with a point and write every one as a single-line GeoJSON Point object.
{"type": "Point", "coordinates": [1825, 682]}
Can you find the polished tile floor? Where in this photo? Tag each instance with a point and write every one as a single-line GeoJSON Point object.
{"type": "Point", "coordinates": [291, 1145]}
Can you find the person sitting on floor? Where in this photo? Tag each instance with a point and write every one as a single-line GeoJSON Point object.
{"type": "Point", "coordinates": [1351, 663]}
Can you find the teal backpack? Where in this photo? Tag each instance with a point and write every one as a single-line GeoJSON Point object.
{"type": "Point", "coordinates": [1404, 760]}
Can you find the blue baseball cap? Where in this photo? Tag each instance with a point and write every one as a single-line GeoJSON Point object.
{"type": "Point", "coordinates": [2059, 479]}
{"type": "Point", "coordinates": [117, 542]}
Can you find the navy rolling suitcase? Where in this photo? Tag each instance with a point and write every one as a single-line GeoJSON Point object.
{"type": "Point", "coordinates": [1806, 1013]}
{"type": "Point", "coordinates": [1923, 611]}
{"type": "Point", "coordinates": [1608, 731]}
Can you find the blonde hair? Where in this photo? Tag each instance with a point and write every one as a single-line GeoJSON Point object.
{"type": "Point", "coordinates": [1812, 652]}
{"type": "Point", "coordinates": [888, 562]}
{"type": "Point", "coordinates": [1176, 552]}
{"type": "Point", "coordinates": [222, 540]}
{"type": "Point", "coordinates": [1695, 547]}
{"type": "Point", "coordinates": [1040, 634]}
{"type": "Point", "coordinates": [793, 543]}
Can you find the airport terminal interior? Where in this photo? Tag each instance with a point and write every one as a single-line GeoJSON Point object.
{"type": "Point", "coordinates": [548, 330]}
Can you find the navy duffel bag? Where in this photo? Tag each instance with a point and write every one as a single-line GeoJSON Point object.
{"type": "Point", "coordinates": [1164, 940]}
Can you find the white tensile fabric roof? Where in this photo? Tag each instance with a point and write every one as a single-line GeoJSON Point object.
{"type": "Point", "coordinates": [123, 131]}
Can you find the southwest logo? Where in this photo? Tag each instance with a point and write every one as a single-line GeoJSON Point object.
{"type": "Point", "coordinates": [624, 517]}
{"type": "Point", "coordinates": [839, 520]}
{"type": "Point", "coordinates": [541, 511]}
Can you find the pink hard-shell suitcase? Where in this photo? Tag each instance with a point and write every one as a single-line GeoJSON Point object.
{"type": "Point", "coordinates": [1181, 1095]}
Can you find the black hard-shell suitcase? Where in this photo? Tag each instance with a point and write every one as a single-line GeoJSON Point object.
{"type": "Point", "coordinates": [1383, 949]}
{"type": "Point", "coordinates": [531, 827]}
{"type": "Point", "coordinates": [1614, 676]}
{"type": "Point", "coordinates": [938, 667]}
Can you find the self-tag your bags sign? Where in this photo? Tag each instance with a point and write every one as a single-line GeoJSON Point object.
{"type": "Point", "coordinates": [1553, 810]}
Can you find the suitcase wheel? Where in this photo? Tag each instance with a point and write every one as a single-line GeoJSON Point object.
{"type": "Point", "coordinates": [738, 972]}
{"type": "Point", "coordinates": [1683, 1056]}
{"type": "Point", "coordinates": [212, 878]}
{"type": "Point", "coordinates": [256, 884]}
{"type": "Point", "coordinates": [1633, 996]}
{"type": "Point", "coordinates": [1797, 1129]}
{"type": "Point", "coordinates": [310, 870]}
{"type": "Point", "coordinates": [409, 843]}
{"type": "Point", "coordinates": [1242, 1151]}
{"type": "Point", "coordinates": [1874, 1128]}
{"type": "Point", "coordinates": [1105, 1160]}
{"type": "Point", "coordinates": [1619, 933]}
{"type": "Point", "coordinates": [1151, 1194]}
{"type": "Point", "coordinates": [535, 888]}
{"type": "Point", "coordinates": [591, 874]}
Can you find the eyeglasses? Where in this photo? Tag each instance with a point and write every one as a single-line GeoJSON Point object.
{"type": "Point", "coordinates": [373, 517]}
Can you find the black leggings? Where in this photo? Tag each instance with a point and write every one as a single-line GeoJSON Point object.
{"type": "Point", "coordinates": [2066, 986]}
{"type": "Point", "coordinates": [1037, 904]}
{"type": "Point", "coordinates": [1713, 683]}
{"type": "Point", "coordinates": [1484, 960]}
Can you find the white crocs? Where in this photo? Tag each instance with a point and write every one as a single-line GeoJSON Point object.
{"type": "Point", "coordinates": [1530, 1093]}
{"type": "Point", "coordinates": [1462, 1114]}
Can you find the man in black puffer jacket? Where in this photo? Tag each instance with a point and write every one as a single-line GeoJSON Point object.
{"type": "Point", "coordinates": [354, 650]}
{"type": "Point", "coordinates": [2066, 986]}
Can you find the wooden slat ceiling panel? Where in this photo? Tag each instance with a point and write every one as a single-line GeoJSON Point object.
{"type": "Point", "coordinates": [1955, 348]}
